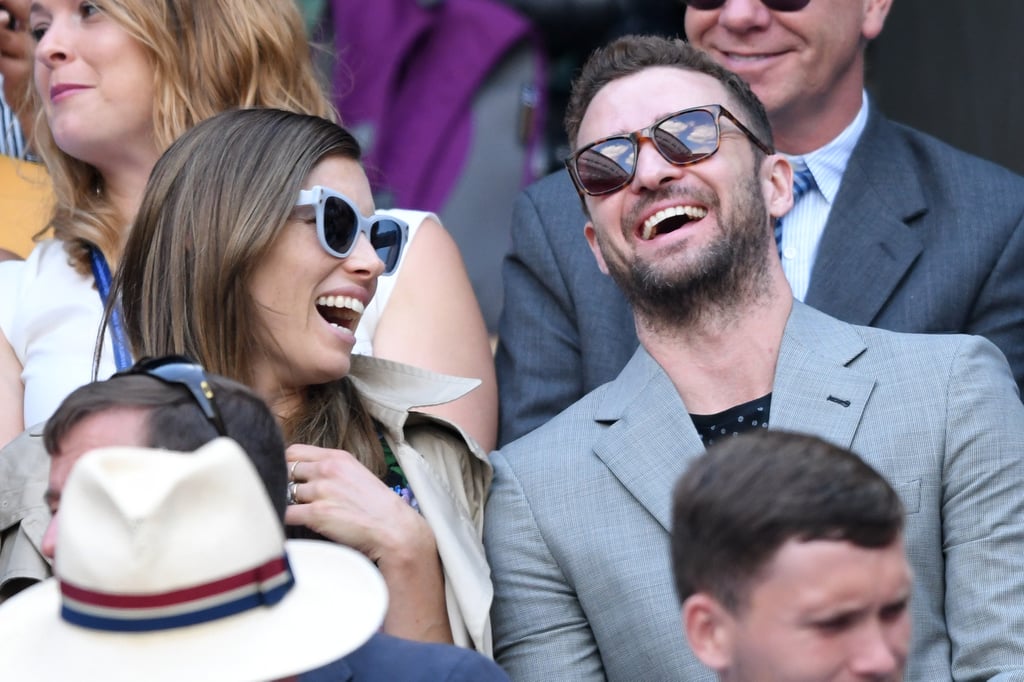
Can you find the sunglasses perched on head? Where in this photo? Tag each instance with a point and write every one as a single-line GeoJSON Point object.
{"type": "Point", "coordinates": [682, 138]}
{"type": "Point", "coordinates": [339, 224]}
{"type": "Point", "coordinates": [178, 370]}
{"type": "Point", "coordinates": [777, 5]}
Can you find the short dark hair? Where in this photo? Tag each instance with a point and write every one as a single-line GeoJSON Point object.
{"type": "Point", "coordinates": [175, 421]}
{"type": "Point", "coordinates": [633, 53]}
{"type": "Point", "coordinates": [739, 502]}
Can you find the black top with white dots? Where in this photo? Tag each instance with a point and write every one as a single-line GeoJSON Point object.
{"type": "Point", "coordinates": [734, 421]}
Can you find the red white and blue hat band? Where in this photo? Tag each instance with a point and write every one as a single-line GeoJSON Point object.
{"type": "Point", "coordinates": [263, 585]}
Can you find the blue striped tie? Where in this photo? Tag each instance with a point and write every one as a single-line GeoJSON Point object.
{"type": "Point", "coordinates": [803, 182]}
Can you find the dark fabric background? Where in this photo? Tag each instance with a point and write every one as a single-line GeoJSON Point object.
{"type": "Point", "coordinates": [955, 69]}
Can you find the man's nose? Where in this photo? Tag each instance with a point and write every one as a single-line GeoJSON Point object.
{"type": "Point", "coordinates": [652, 168]}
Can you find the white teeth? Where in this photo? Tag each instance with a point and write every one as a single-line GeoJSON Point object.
{"type": "Point", "coordinates": [747, 57]}
{"type": "Point", "coordinates": [341, 302]}
{"type": "Point", "coordinates": [651, 224]}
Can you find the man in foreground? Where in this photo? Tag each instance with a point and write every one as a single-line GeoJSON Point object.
{"type": "Point", "coordinates": [135, 408]}
{"type": "Point", "coordinates": [788, 559]}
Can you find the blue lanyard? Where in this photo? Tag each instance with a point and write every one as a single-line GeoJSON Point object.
{"type": "Point", "coordinates": [101, 271]}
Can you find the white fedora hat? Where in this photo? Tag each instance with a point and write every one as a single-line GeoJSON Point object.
{"type": "Point", "coordinates": [174, 566]}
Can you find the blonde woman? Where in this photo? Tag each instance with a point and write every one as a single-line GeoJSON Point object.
{"type": "Point", "coordinates": [254, 252]}
{"type": "Point", "coordinates": [115, 82]}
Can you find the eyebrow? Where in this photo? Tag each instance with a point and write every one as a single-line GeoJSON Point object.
{"type": "Point", "coordinates": [900, 602]}
{"type": "Point", "coordinates": [860, 611]}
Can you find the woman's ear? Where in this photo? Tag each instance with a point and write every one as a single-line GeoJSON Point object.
{"type": "Point", "coordinates": [709, 626]}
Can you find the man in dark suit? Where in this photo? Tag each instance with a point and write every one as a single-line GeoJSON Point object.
{"type": "Point", "coordinates": [898, 230]}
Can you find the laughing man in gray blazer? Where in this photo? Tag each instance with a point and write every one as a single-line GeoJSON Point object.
{"type": "Point", "coordinates": [680, 215]}
{"type": "Point", "coordinates": [916, 236]}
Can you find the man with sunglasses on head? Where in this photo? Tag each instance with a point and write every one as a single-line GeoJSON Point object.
{"type": "Point", "coordinates": [153, 405]}
{"type": "Point", "coordinates": [893, 228]}
{"type": "Point", "coordinates": [674, 163]}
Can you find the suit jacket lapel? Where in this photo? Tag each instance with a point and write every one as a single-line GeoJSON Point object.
{"type": "Point", "coordinates": [868, 243]}
{"type": "Point", "coordinates": [815, 390]}
{"type": "Point", "coordinates": [650, 438]}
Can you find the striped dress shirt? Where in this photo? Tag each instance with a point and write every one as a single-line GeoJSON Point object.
{"type": "Point", "coordinates": [12, 141]}
{"type": "Point", "coordinates": [805, 222]}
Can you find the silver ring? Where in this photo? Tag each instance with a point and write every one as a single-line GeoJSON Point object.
{"type": "Point", "coordinates": [292, 485]}
{"type": "Point", "coordinates": [291, 470]}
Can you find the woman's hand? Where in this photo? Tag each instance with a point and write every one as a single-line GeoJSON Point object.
{"type": "Point", "coordinates": [342, 500]}
{"type": "Point", "coordinates": [339, 498]}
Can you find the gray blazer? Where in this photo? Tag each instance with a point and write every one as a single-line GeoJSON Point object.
{"type": "Point", "coordinates": [577, 524]}
{"type": "Point", "coordinates": [922, 238]}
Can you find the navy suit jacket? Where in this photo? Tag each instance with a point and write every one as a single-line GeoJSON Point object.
{"type": "Point", "coordinates": [389, 658]}
{"type": "Point", "coordinates": [922, 238]}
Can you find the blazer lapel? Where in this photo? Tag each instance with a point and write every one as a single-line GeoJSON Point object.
{"type": "Point", "coordinates": [869, 242]}
{"type": "Point", "coordinates": [650, 438]}
{"type": "Point", "coordinates": [815, 389]}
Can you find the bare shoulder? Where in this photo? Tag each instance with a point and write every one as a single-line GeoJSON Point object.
{"type": "Point", "coordinates": [433, 321]}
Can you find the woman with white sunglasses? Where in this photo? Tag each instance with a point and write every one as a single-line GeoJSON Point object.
{"type": "Point", "coordinates": [254, 252]}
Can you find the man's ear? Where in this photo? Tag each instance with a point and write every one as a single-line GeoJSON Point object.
{"type": "Point", "coordinates": [709, 628]}
{"type": "Point", "coordinates": [591, 234]}
{"type": "Point", "coordinates": [875, 12]}
{"type": "Point", "coordinates": [777, 184]}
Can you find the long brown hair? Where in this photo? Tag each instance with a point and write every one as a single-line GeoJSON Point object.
{"type": "Point", "coordinates": [214, 206]}
{"type": "Point", "coordinates": [208, 56]}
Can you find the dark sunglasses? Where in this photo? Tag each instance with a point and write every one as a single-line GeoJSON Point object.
{"type": "Point", "coordinates": [777, 5]}
{"type": "Point", "coordinates": [682, 138]}
{"type": "Point", "coordinates": [178, 370]}
{"type": "Point", "coordinates": [339, 224]}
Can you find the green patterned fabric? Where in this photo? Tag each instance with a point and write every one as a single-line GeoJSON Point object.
{"type": "Point", "coordinates": [395, 477]}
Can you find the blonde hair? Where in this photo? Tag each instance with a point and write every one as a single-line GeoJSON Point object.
{"type": "Point", "coordinates": [208, 56]}
{"type": "Point", "coordinates": [213, 208]}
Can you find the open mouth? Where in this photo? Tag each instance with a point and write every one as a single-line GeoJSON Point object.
{"type": "Point", "coordinates": [669, 220]}
{"type": "Point", "coordinates": [340, 311]}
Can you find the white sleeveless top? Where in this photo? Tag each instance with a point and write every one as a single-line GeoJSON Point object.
{"type": "Point", "coordinates": [386, 285]}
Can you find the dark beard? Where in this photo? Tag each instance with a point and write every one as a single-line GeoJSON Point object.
{"type": "Point", "coordinates": [731, 271]}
